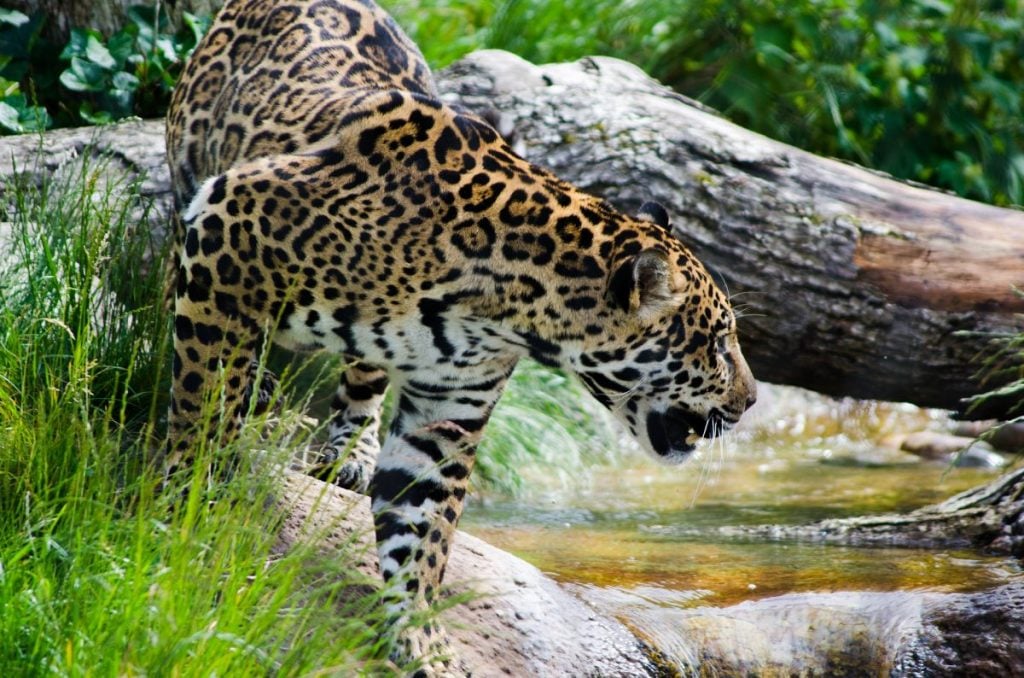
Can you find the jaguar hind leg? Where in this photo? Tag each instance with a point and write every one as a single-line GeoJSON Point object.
{"type": "Point", "coordinates": [350, 454]}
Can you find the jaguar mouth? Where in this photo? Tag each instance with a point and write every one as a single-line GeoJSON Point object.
{"type": "Point", "coordinates": [676, 431]}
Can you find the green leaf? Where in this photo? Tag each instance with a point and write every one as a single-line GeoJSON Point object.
{"type": "Point", "coordinates": [197, 25]}
{"type": "Point", "coordinates": [94, 117]}
{"type": "Point", "coordinates": [9, 118]}
{"type": "Point", "coordinates": [167, 49]}
{"type": "Point", "coordinates": [886, 34]}
{"type": "Point", "coordinates": [12, 17]}
{"type": "Point", "coordinates": [77, 41]}
{"type": "Point", "coordinates": [97, 52]}
{"type": "Point", "coordinates": [17, 40]}
{"type": "Point", "coordinates": [124, 80]}
{"type": "Point", "coordinates": [83, 76]}
{"type": "Point", "coordinates": [36, 119]}
{"type": "Point", "coordinates": [118, 102]}
{"type": "Point", "coordinates": [144, 16]}
{"type": "Point", "coordinates": [936, 6]}
{"type": "Point", "coordinates": [143, 19]}
{"type": "Point", "coordinates": [121, 46]}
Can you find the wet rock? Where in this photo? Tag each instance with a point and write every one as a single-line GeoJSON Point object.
{"type": "Point", "coordinates": [904, 633]}
{"type": "Point", "coordinates": [947, 448]}
{"type": "Point", "coordinates": [518, 622]}
{"type": "Point", "coordinates": [1004, 437]}
{"type": "Point", "coordinates": [978, 634]}
{"type": "Point", "coordinates": [978, 457]}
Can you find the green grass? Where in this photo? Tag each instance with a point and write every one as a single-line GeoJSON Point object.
{"type": "Point", "coordinates": [537, 30]}
{"type": "Point", "coordinates": [99, 575]}
{"type": "Point", "coordinates": [102, 575]}
{"type": "Point", "coordinates": [545, 423]}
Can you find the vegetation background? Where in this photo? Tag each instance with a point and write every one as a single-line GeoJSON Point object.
{"type": "Point", "coordinates": [929, 90]}
{"type": "Point", "coordinates": [98, 575]}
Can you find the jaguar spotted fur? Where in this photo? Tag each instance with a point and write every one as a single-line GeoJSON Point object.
{"type": "Point", "coordinates": [328, 199]}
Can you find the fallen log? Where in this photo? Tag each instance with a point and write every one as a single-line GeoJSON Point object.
{"type": "Point", "coordinates": [850, 283]}
{"type": "Point", "coordinates": [853, 284]}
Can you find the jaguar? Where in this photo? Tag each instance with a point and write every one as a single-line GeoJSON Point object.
{"type": "Point", "coordinates": [326, 198]}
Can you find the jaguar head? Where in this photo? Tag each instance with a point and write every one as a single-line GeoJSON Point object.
{"type": "Point", "coordinates": [671, 369]}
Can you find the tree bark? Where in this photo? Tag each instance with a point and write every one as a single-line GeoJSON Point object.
{"type": "Point", "coordinates": [105, 16]}
{"type": "Point", "coordinates": [849, 283]}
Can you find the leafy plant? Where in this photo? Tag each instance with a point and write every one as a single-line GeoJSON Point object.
{"type": "Point", "coordinates": [134, 71]}
{"type": "Point", "coordinates": [547, 421]}
{"type": "Point", "coordinates": [18, 33]}
{"type": "Point", "coordinates": [926, 90]}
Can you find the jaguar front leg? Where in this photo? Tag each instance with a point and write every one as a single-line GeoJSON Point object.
{"type": "Point", "coordinates": [418, 492]}
{"type": "Point", "coordinates": [216, 341]}
{"type": "Point", "coordinates": [350, 455]}
{"type": "Point", "coordinates": [210, 391]}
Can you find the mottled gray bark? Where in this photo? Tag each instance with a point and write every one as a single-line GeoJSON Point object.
{"type": "Point", "coordinates": [850, 283]}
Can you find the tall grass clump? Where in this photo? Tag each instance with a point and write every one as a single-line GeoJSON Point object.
{"type": "Point", "coordinates": [545, 422]}
{"type": "Point", "coordinates": [100, 574]}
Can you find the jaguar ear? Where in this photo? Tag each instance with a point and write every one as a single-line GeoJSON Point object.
{"type": "Point", "coordinates": [654, 213]}
{"type": "Point", "coordinates": [641, 284]}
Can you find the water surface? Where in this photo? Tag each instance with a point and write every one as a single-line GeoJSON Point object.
{"type": "Point", "coordinates": [643, 529]}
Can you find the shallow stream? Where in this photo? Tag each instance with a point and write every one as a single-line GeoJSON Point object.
{"type": "Point", "coordinates": [637, 538]}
